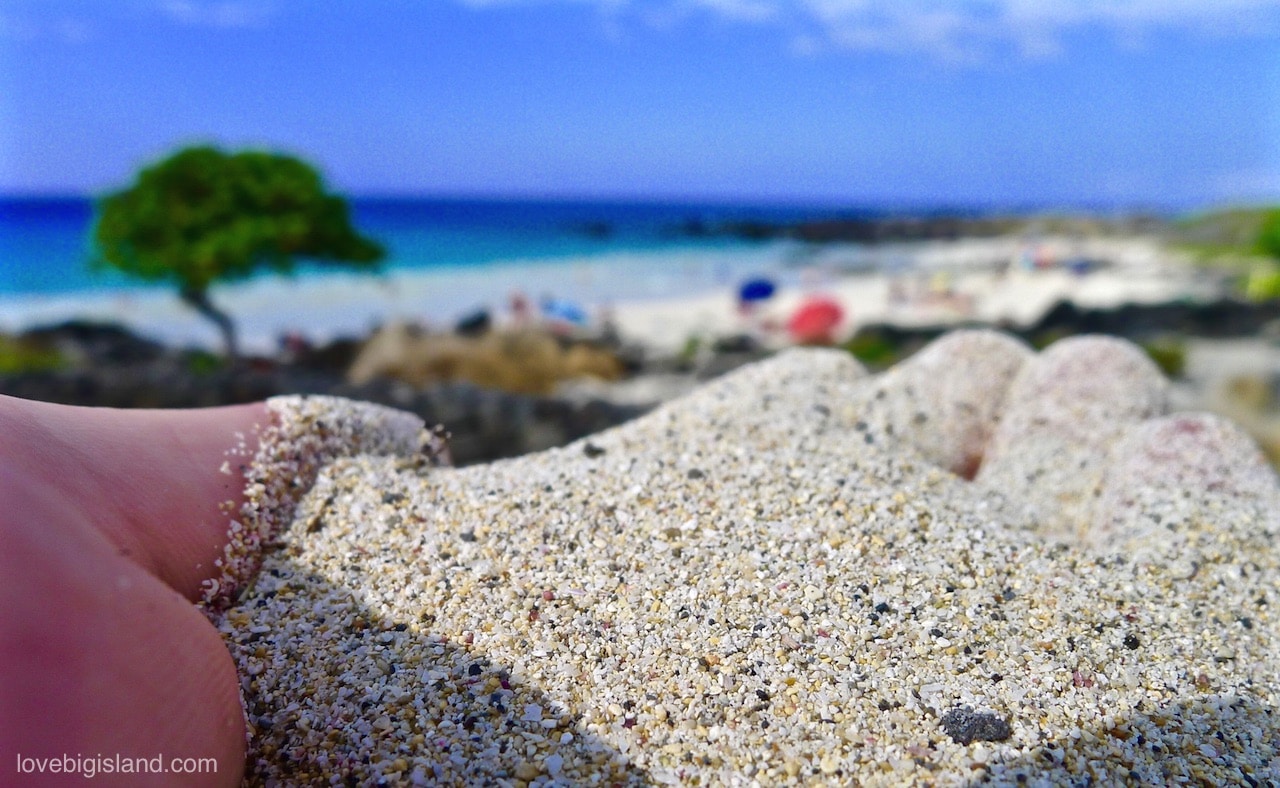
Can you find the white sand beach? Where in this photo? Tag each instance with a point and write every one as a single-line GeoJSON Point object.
{"type": "Point", "coordinates": [983, 281]}
{"type": "Point", "coordinates": [660, 300]}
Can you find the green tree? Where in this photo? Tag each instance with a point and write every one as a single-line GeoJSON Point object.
{"type": "Point", "coordinates": [203, 216]}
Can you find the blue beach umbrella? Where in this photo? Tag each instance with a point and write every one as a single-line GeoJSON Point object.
{"type": "Point", "coordinates": [569, 312]}
{"type": "Point", "coordinates": [756, 290]}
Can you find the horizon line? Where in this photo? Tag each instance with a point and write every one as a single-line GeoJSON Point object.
{"type": "Point", "coordinates": [1093, 207]}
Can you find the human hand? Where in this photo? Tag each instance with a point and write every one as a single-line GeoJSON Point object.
{"type": "Point", "coordinates": [110, 520]}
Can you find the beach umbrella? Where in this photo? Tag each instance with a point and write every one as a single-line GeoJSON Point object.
{"type": "Point", "coordinates": [756, 290]}
{"type": "Point", "coordinates": [566, 311]}
{"type": "Point", "coordinates": [815, 320]}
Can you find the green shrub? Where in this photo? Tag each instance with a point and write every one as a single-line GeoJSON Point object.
{"type": "Point", "coordinates": [689, 351]}
{"type": "Point", "coordinates": [1044, 339]}
{"type": "Point", "coordinates": [1262, 283]}
{"type": "Point", "coordinates": [18, 357]}
{"type": "Point", "coordinates": [202, 362]}
{"type": "Point", "coordinates": [1268, 242]}
{"type": "Point", "coordinates": [1169, 354]}
{"type": "Point", "coordinates": [874, 350]}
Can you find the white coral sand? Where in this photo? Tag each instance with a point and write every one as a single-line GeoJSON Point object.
{"type": "Point", "coordinates": [778, 579]}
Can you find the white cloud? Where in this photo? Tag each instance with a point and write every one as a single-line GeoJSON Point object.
{"type": "Point", "coordinates": [979, 29]}
{"type": "Point", "coordinates": [956, 30]}
{"type": "Point", "coordinates": [222, 14]}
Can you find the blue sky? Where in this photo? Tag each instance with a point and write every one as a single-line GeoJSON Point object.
{"type": "Point", "coordinates": [989, 102]}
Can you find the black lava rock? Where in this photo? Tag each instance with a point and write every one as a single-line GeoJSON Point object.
{"type": "Point", "coordinates": [106, 366]}
{"type": "Point", "coordinates": [964, 726]}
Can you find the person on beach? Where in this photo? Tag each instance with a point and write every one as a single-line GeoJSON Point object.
{"type": "Point", "coordinates": [520, 310]}
{"type": "Point", "coordinates": [110, 521]}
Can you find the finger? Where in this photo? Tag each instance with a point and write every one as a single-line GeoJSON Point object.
{"type": "Point", "coordinates": [1064, 411]}
{"type": "Point", "coordinates": [149, 480]}
{"type": "Point", "coordinates": [1175, 480]}
{"type": "Point", "coordinates": [946, 400]}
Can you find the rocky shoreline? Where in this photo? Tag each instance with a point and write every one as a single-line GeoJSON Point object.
{"type": "Point", "coordinates": [105, 365]}
{"type": "Point", "coordinates": [908, 227]}
{"type": "Point", "coordinates": [113, 368]}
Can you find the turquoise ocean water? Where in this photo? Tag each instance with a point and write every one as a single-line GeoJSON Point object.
{"type": "Point", "coordinates": [45, 248]}
{"type": "Point", "coordinates": [446, 259]}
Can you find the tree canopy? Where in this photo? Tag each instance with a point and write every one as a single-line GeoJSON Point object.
{"type": "Point", "coordinates": [203, 216]}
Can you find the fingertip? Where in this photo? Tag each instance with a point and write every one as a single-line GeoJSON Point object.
{"type": "Point", "coordinates": [161, 486]}
{"type": "Point", "coordinates": [202, 456]}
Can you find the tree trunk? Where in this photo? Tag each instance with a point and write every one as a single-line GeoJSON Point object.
{"type": "Point", "coordinates": [199, 300]}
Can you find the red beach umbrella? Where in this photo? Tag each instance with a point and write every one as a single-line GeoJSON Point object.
{"type": "Point", "coordinates": [814, 321]}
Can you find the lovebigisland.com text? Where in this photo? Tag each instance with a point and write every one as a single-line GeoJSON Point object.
{"type": "Point", "coordinates": [89, 766]}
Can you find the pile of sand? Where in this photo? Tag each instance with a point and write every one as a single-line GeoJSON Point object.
{"type": "Point", "coordinates": [784, 577]}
